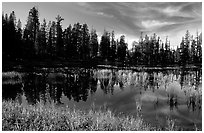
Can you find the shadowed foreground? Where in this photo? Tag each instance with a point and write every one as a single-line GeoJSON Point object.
{"type": "Point", "coordinates": [40, 117]}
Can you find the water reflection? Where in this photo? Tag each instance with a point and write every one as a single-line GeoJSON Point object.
{"type": "Point", "coordinates": [78, 84]}
{"type": "Point", "coordinates": [11, 91]}
{"type": "Point", "coordinates": [163, 92]}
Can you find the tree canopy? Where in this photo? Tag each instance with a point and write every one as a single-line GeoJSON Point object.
{"type": "Point", "coordinates": [76, 42]}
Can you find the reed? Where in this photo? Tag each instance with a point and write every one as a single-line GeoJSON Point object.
{"type": "Point", "coordinates": [40, 117]}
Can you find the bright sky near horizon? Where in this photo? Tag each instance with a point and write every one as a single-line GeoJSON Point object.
{"type": "Point", "coordinates": [163, 18]}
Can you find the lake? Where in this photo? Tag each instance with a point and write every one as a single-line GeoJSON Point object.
{"type": "Point", "coordinates": [155, 94]}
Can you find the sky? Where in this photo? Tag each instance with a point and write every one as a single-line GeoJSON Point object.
{"type": "Point", "coordinates": [129, 19]}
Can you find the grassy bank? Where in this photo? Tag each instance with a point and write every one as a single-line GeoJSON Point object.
{"type": "Point", "coordinates": [50, 118]}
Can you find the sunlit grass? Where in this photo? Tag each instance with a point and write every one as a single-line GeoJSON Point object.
{"type": "Point", "coordinates": [50, 118]}
{"type": "Point", "coordinates": [11, 77]}
{"type": "Point", "coordinates": [40, 117]}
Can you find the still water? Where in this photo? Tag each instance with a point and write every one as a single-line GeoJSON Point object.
{"type": "Point", "coordinates": [156, 95]}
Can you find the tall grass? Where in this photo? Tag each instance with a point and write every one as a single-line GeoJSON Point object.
{"type": "Point", "coordinates": [11, 77]}
{"type": "Point", "coordinates": [39, 117]}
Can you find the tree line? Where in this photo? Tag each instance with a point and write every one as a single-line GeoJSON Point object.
{"type": "Point", "coordinates": [152, 51]}
{"type": "Point", "coordinates": [78, 43]}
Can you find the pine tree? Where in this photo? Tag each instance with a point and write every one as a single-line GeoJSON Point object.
{"type": "Point", "coordinates": [5, 36]}
{"type": "Point", "coordinates": [42, 39]}
{"type": "Point", "coordinates": [69, 47]}
{"type": "Point", "coordinates": [187, 47]}
{"type": "Point", "coordinates": [113, 47]}
{"type": "Point", "coordinates": [31, 31]}
{"type": "Point", "coordinates": [105, 45]}
{"type": "Point", "coordinates": [199, 48]}
{"type": "Point", "coordinates": [19, 43]}
{"type": "Point", "coordinates": [93, 44]}
{"type": "Point", "coordinates": [85, 48]}
{"type": "Point", "coordinates": [9, 36]}
{"type": "Point", "coordinates": [193, 51]}
{"type": "Point", "coordinates": [77, 39]}
{"type": "Point", "coordinates": [59, 41]}
{"type": "Point", "coordinates": [121, 52]}
{"type": "Point", "coordinates": [52, 40]}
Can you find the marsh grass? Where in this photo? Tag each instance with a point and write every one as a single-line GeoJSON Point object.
{"type": "Point", "coordinates": [40, 117]}
{"type": "Point", "coordinates": [11, 77]}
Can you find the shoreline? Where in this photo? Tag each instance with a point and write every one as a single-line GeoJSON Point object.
{"type": "Point", "coordinates": [15, 65]}
{"type": "Point", "coordinates": [39, 117]}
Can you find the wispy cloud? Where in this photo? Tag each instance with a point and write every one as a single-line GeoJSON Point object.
{"type": "Point", "coordinates": [163, 18]}
{"type": "Point", "coordinates": [152, 24]}
{"type": "Point", "coordinates": [138, 17]}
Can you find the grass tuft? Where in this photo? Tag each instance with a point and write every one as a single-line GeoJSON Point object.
{"type": "Point", "coordinates": [39, 117]}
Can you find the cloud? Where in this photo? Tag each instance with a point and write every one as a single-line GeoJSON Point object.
{"type": "Point", "coordinates": [155, 24]}
{"type": "Point", "coordinates": [189, 7]}
{"type": "Point", "coordinates": [120, 14]}
{"type": "Point", "coordinates": [130, 18]}
{"type": "Point", "coordinates": [164, 18]}
{"type": "Point", "coordinates": [105, 15]}
{"type": "Point", "coordinates": [171, 10]}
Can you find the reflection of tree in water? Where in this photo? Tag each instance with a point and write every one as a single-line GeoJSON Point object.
{"type": "Point", "coordinates": [84, 78]}
{"type": "Point", "coordinates": [93, 82]}
{"type": "Point", "coordinates": [77, 85]}
{"type": "Point", "coordinates": [38, 88]}
{"type": "Point", "coordinates": [34, 87]}
{"type": "Point", "coordinates": [194, 102]}
{"type": "Point", "coordinates": [195, 77]}
{"type": "Point", "coordinates": [189, 81]}
{"type": "Point", "coordinates": [55, 92]}
{"type": "Point", "coordinates": [11, 91]}
{"type": "Point", "coordinates": [150, 81]}
{"type": "Point", "coordinates": [108, 79]}
{"type": "Point", "coordinates": [183, 73]}
{"type": "Point", "coordinates": [50, 87]}
{"type": "Point", "coordinates": [147, 80]}
{"type": "Point", "coordinates": [172, 101]}
{"type": "Point", "coordinates": [193, 92]}
{"type": "Point", "coordinates": [113, 79]}
{"type": "Point", "coordinates": [42, 87]}
{"type": "Point", "coordinates": [190, 78]}
{"type": "Point", "coordinates": [198, 78]}
{"type": "Point", "coordinates": [30, 88]}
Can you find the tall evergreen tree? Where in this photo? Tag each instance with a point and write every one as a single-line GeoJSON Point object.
{"type": "Point", "coordinates": [193, 51]}
{"type": "Point", "coordinates": [185, 48]}
{"type": "Point", "coordinates": [113, 47]}
{"type": "Point", "coordinates": [31, 31]}
{"type": "Point", "coordinates": [77, 39]}
{"type": "Point", "coordinates": [69, 46]}
{"type": "Point", "coordinates": [85, 47]}
{"type": "Point", "coordinates": [122, 48]}
{"type": "Point", "coordinates": [9, 36]}
{"type": "Point", "coordinates": [42, 39]}
{"type": "Point", "coordinates": [19, 43]}
{"type": "Point", "coordinates": [5, 37]}
{"type": "Point", "coordinates": [76, 42]}
{"type": "Point", "coordinates": [59, 41]}
{"type": "Point", "coordinates": [93, 44]}
{"type": "Point", "coordinates": [105, 45]}
{"type": "Point", "coordinates": [199, 48]}
{"type": "Point", "coordinates": [52, 40]}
